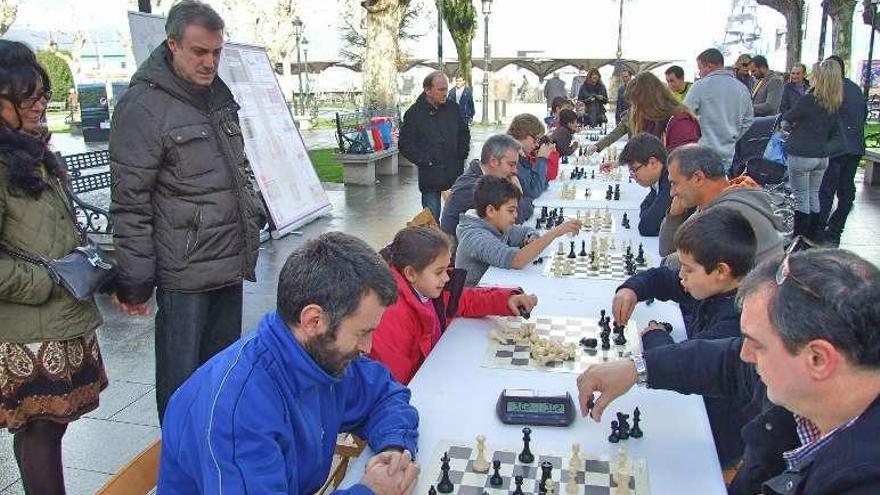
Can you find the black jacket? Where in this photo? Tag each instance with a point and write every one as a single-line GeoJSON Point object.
{"type": "Point", "coordinates": [712, 318]}
{"type": "Point", "coordinates": [812, 129]}
{"type": "Point", "coordinates": [653, 209]}
{"type": "Point", "coordinates": [846, 466]}
{"type": "Point", "coordinates": [850, 138]}
{"type": "Point", "coordinates": [594, 96]}
{"type": "Point", "coordinates": [186, 215]}
{"type": "Point", "coordinates": [437, 141]}
{"type": "Point", "coordinates": [790, 96]}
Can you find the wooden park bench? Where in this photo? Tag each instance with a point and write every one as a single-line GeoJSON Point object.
{"type": "Point", "coordinates": [360, 163]}
{"type": "Point", "coordinates": [90, 172]}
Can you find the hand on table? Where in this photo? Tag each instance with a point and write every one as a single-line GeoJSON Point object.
{"type": "Point", "coordinates": [574, 145]}
{"type": "Point", "coordinates": [591, 150]}
{"type": "Point", "coordinates": [607, 167]}
{"type": "Point", "coordinates": [142, 309]}
{"type": "Point", "coordinates": [611, 380]}
{"type": "Point", "coordinates": [623, 304]}
{"type": "Point", "coordinates": [391, 473]}
{"type": "Point", "coordinates": [522, 302]}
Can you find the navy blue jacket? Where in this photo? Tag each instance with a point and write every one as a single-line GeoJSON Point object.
{"type": "Point", "coordinates": [712, 318]}
{"type": "Point", "coordinates": [532, 177]}
{"type": "Point", "coordinates": [790, 96]}
{"type": "Point", "coordinates": [653, 209]}
{"type": "Point", "coordinates": [466, 104]}
{"type": "Point", "coordinates": [461, 199]}
{"type": "Point", "coordinates": [262, 417]}
{"type": "Point", "coordinates": [850, 139]}
{"type": "Point", "coordinates": [846, 466]}
{"type": "Point", "coordinates": [812, 129]}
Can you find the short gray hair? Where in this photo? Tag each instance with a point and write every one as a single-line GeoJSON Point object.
{"type": "Point", "coordinates": [189, 12]}
{"type": "Point", "coordinates": [497, 146]}
{"type": "Point", "coordinates": [830, 294]}
{"type": "Point", "coordinates": [428, 82]}
{"type": "Point", "coordinates": [696, 157]}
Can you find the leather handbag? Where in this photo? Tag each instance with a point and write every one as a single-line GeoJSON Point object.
{"type": "Point", "coordinates": [83, 272]}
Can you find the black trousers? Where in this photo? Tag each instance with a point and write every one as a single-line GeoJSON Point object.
{"type": "Point", "coordinates": [190, 328]}
{"type": "Point", "coordinates": [839, 180]}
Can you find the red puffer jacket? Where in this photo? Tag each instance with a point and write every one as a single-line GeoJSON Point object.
{"type": "Point", "coordinates": [402, 340]}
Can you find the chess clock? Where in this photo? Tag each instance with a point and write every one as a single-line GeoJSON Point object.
{"type": "Point", "coordinates": [528, 407]}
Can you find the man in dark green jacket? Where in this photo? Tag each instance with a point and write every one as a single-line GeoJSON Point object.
{"type": "Point", "coordinates": [186, 215]}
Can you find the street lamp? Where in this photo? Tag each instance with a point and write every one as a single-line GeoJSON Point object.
{"type": "Point", "coordinates": [308, 93]}
{"type": "Point", "coordinates": [297, 32]}
{"type": "Point", "coordinates": [487, 9]}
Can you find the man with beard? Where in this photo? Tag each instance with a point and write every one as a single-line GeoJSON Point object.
{"type": "Point", "coordinates": [263, 415]}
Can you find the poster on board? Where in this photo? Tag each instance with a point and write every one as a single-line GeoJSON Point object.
{"type": "Point", "coordinates": [287, 180]}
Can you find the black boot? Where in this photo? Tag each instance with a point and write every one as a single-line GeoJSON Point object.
{"type": "Point", "coordinates": [816, 228]}
{"type": "Point", "coordinates": [801, 224]}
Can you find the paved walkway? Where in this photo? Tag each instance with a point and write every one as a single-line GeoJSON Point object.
{"type": "Point", "coordinates": [101, 443]}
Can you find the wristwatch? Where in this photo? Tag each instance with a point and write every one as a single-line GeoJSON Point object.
{"type": "Point", "coordinates": [641, 370]}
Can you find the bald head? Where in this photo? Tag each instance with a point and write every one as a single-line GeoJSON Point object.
{"type": "Point", "coordinates": [436, 87]}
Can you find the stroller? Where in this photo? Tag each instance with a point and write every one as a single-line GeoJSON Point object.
{"type": "Point", "coordinates": [748, 159]}
{"type": "Point", "coordinates": [748, 156]}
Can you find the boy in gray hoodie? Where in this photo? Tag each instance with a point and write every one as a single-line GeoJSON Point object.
{"type": "Point", "coordinates": [488, 237]}
{"type": "Point", "coordinates": [698, 182]}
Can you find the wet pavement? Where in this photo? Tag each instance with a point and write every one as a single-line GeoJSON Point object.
{"type": "Point", "coordinates": [98, 445]}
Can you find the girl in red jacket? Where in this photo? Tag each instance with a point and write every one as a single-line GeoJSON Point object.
{"type": "Point", "coordinates": [430, 295]}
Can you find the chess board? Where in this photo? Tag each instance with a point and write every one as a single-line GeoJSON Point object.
{"type": "Point", "coordinates": [582, 214]}
{"type": "Point", "coordinates": [564, 330]}
{"type": "Point", "coordinates": [615, 269]}
{"type": "Point", "coordinates": [595, 478]}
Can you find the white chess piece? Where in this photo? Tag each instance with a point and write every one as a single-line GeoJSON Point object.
{"type": "Point", "coordinates": [548, 487]}
{"type": "Point", "coordinates": [622, 458]}
{"type": "Point", "coordinates": [481, 465]}
{"type": "Point", "coordinates": [574, 464]}
{"type": "Point", "coordinates": [622, 480]}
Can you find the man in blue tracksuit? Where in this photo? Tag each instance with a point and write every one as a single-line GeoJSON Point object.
{"type": "Point", "coordinates": [262, 416]}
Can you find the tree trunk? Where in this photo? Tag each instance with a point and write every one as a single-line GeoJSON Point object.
{"type": "Point", "coordinates": [793, 11]}
{"type": "Point", "coordinates": [463, 47]}
{"type": "Point", "coordinates": [461, 20]}
{"type": "Point", "coordinates": [841, 14]}
{"type": "Point", "coordinates": [380, 61]}
{"type": "Point", "coordinates": [868, 14]}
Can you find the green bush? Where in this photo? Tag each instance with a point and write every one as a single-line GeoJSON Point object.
{"type": "Point", "coordinates": [59, 74]}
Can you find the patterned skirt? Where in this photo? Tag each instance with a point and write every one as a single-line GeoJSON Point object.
{"type": "Point", "coordinates": [54, 380]}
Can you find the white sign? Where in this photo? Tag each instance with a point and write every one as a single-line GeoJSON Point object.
{"type": "Point", "coordinates": [284, 172]}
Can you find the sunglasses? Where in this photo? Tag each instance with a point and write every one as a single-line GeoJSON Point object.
{"type": "Point", "coordinates": [783, 273]}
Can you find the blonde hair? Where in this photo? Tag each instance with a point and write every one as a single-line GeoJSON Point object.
{"type": "Point", "coordinates": [828, 85]}
{"type": "Point", "coordinates": [651, 100]}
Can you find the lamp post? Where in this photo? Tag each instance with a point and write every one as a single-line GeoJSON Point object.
{"type": "Point", "coordinates": [869, 66]}
{"type": "Point", "coordinates": [308, 93]}
{"type": "Point", "coordinates": [297, 32]}
{"type": "Point", "coordinates": [487, 9]}
{"type": "Point", "coordinates": [440, 36]}
{"type": "Point", "coordinates": [620, 32]}
{"type": "Point", "coordinates": [823, 29]}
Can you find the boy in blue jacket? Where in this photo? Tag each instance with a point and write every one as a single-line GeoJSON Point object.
{"type": "Point", "coordinates": [716, 249]}
{"type": "Point", "coordinates": [645, 157]}
{"type": "Point", "coordinates": [262, 416]}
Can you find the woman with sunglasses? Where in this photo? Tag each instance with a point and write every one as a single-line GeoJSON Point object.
{"type": "Point", "coordinates": [51, 371]}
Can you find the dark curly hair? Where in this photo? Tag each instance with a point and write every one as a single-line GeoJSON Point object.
{"type": "Point", "coordinates": [22, 153]}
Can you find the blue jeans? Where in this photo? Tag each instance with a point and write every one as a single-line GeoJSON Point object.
{"type": "Point", "coordinates": [431, 200]}
{"type": "Point", "coordinates": [805, 176]}
{"type": "Point", "coordinates": [190, 328]}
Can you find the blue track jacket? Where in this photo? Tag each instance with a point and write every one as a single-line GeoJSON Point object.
{"type": "Point", "coordinates": [261, 417]}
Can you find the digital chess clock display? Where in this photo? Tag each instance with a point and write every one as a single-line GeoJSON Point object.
{"type": "Point", "coordinates": [528, 407]}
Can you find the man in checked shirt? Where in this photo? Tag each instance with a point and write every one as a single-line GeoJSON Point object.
{"type": "Point", "coordinates": [808, 361]}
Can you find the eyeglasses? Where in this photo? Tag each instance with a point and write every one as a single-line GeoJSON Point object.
{"type": "Point", "coordinates": [28, 103]}
{"type": "Point", "coordinates": [783, 273]}
{"type": "Point", "coordinates": [634, 170]}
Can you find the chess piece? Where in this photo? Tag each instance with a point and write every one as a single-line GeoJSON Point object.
{"type": "Point", "coordinates": [571, 253]}
{"type": "Point", "coordinates": [606, 342]}
{"type": "Point", "coordinates": [496, 479]}
{"type": "Point", "coordinates": [546, 474]}
{"type": "Point", "coordinates": [548, 487]}
{"type": "Point", "coordinates": [623, 426]}
{"type": "Point", "coordinates": [640, 258]}
{"type": "Point", "coordinates": [636, 431]}
{"type": "Point", "coordinates": [481, 465]}
{"type": "Point", "coordinates": [571, 487]}
{"type": "Point", "coordinates": [620, 339]}
{"type": "Point", "coordinates": [589, 343]}
{"type": "Point", "coordinates": [526, 456]}
{"type": "Point", "coordinates": [593, 175]}
{"type": "Point", "coordinates": [445, 484]}
{"type": "Point", "coordinates": [518, 480]}
{"type": "Point", "coordinates": [574, 464]}
{"type": "Point", "coordinates": [622, 458]}
{"type": "Point", "coordinates": [609, 193]}
{"type": "Point", "coordinates": [583, 249]}
{"type": "Point", "coordinates": [622, 479]}
{"type": "Point", "coordinates": [613, 437]}
{"type": "Point", "coordinates": [432, 490]}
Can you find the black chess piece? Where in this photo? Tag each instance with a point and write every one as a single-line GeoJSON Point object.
{"type": "Point", "coordinates": [564, 160]}
{"type": "Point", "coordinates": [623, 426]}
{"type": "Point", "coordinates": [539, 223]}
{"type": "Point", "coordinates": [609, 193]}
{"type": "Point", "coordinates": [432, 490]}
{"type": "Point", "coordinates": [636, 431]}
{"type": "Point", "coordinates": [625, 219]}
{"type": "Point", "coordinates": [606, 342]}
{"type": "Point", "coordinates": [629, 252]}
{"type": "Point", "coordinates": [583, 249]}
{"type": "Point", "coordinates": [620, 339]}
{"type": "Point", "coordinates": [593, 174]}
{"type": "Point", "coordinates": [559, 220]}
{"type": "Point", "coordinates": [614, 437]}
{"type": "Point", "coordinates": [618, 328]}
{"type": "Point", "coordinates": [526, 456]}
{"type": "Point", "coordinates": [496, 479]}
{"type": "Point", "coordinates": [630, 267]}
{"type": "Point", "coordinates": [546, 474]}
{"type": "Point", "coordinates": [617, 194]}
{"type": "Point", "coordinates": [640, 258]}
{"type": "Point", "coordinates": [562, 212]}
{"type": "Point", "coordinates": [445, 484]}
{"type": "Point", "coordinates": [630, 179]}
{"type": "Point", "coordinates": [592, 257]}
{"type": "Point", "coordinates": [571, 253]}
{"type": "Point", "coordinates": [518, 480]}
{"type": "Point", "coordinates": [573, 174]}
{"type": "Point", "coordinates": [601, 316]}
{"type": "Point", "coordinates": [589, 342]}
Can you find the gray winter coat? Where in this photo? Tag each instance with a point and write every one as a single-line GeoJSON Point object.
{"type": "Point", "coordinates": [480, 245]}
{"type": "Point", "coordinates": [754, 204]}
{"type": "Point", "coordinates": [186, 215]}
